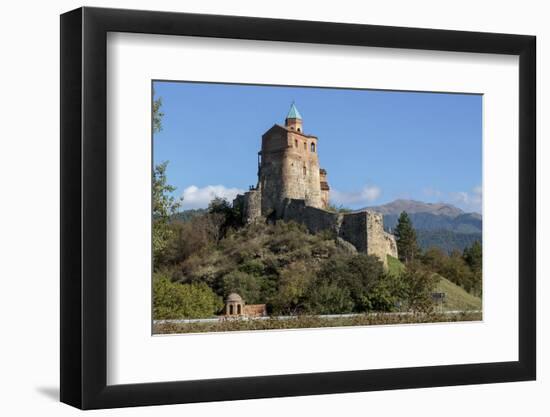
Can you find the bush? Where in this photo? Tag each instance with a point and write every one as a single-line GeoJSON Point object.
{"type": "Point", "coordinates": [461, 269]}
{"type": "Point", "coordinates": [293, 283]}
{"type": "Point", "coordinates": [231, 217]}
{"type": "Point", "coordinates": [387, 294]}
{"type": "Point", "coordinates": [328, 298]}
{"type": "Point", "coordinates": [172, 300]}
{"type": "Point", "coordinates": [420, 285]}
{"type": "Point", "coordinates": [246, 285]}
{"type": "Point", "coordinates": [359, 274]}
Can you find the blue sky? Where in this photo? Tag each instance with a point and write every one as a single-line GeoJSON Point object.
{"type": "Point", "coordinates": [377, 146]}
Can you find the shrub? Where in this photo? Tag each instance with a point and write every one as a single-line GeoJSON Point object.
{"type": "Point", "coordinates": [420, 285]}
{"type": "Point", "coordinates": [387, 294]}
{"type": "Point", "coordinates": [293, 283]}
{"type": "Point", "coordinates": [172, 300]}
{"type": "Point", "coordinates": [359, 274]}
{"type": "Point", "coordinates": [246, 285]}
{"type": "Point", "coordinates": [328, 298]}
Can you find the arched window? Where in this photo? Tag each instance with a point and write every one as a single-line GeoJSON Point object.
{"type": "Point", "coordinates": [231, 309]}
{"type": "Point", "coordinates": [305, 171]}
{"type": "Point", "coordinates": [238, 309]}
{"type": "Point", "coordinates": [296, 143]}
{"type": "Point", "coordinates": [299, 130]}
{"type": "Point", "coordinates": [312, 147]}
{"type": "Point", "coordinates": [305, 146]}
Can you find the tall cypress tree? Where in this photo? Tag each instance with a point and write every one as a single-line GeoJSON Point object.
{"type": "Point", "coordinates": [405, 235]}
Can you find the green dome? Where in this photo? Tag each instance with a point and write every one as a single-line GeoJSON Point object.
{"type": "Point", "coordinates": [293, 113]}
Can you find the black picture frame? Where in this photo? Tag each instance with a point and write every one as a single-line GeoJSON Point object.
{"type": "Point", "coordinates": [84, 207]}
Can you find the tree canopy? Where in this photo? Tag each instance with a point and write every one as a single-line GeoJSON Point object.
{"type": "Point", "coordinates": [405, 235]}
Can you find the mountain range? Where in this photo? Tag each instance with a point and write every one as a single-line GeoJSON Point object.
{"type": "Point", "coordinates": [437, 224]}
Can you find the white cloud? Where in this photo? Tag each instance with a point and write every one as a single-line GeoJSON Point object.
{"type": "Point", "coordinates": [195, 197]}
{"type": "Point", "coordinates": [367, 194]}
{"type": "Point", "coordinates": [468, 200]}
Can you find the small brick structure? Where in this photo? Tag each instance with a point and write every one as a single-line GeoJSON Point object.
{"type": "Point", "coordinates": [235, 306]}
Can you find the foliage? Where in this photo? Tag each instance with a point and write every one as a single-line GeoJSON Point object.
{"type": "Point", "coordinates": [157, 114]}
{"type": "Point", "coordinates": [447, 240]}
{"type": "Point", "coordinates": [293, 284]}
{"type": "Point", "coordinates": [172, 300]}
{"type": "Point", "coordinates": [354, 283]}
{"type": "Point", "coordinates": [230, 217]}
{"type": "Point", "coordinates": [329, 298]}
{"type": "Point", "coordinates": [293, 271]}
{"type": "Point", "coordinates": [246, 285]}
{"type": "Point", "coordinates": [405, 236]}
{"type": "Point", "coordinates": [187, 215]}
{"type": "Point", "coordinates": [191, 237]}
{"type": "Point", "coordinates": [463, 269]}
{"type": "Point", "coordinates": [164, 205]}
{"type": "Point", "coordinates": [420, 285]}
{"type": "Point", "coordinates": [473, 256]}
{"type": "Point", "coordinates": [395, 267]}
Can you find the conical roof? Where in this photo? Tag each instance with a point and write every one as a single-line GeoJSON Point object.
{"type": "Point", "coordinates": [293, 113]}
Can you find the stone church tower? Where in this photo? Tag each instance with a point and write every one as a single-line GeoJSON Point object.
{"type": "Point", "coordinates": [289, 168]}
{"type": "Point", "coordinates": [293, 187]}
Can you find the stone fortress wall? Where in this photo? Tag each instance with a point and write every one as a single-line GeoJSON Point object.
{"type": "Point", "coordinates": [363, 229]}
{"type": "Point", "coordinates": [292, 187]}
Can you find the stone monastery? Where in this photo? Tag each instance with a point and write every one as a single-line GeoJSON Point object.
{"type": "Point", "coordinates": [293, 186]}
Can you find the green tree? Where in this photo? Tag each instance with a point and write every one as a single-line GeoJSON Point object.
{"type": "Point", "coordinates": [360, 275]}
{"type": "Point", "coordinates": [456, 269]}
{"type": "Point", "coordinates": [157, 114]}
{"type": "Point", "coordinates": [405, 235]}
{"type": "Point", "coordinates": [230, 216]}
{"type": "Point", "coordinates": [473, 256]}
{"type": "Point", "coordinates": [246, 285]}
{"type": "Point", "coordinates": [294, 281]}
{"type": "Point", "coordinates": [172, 300]}
{"type": "Point", "coordinates": [164, 205]}
{"type": "Point", "coordinates": [434, 258]}
{"type": "Point", "coordinates": [420, 286]}
{"type": "Point", "coordinates": [329, 298]}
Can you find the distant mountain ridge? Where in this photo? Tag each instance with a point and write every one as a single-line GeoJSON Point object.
{"type": "Point", "coordinates": [414, 206]}
{"type": "Point", "coordinates": [438, 224]}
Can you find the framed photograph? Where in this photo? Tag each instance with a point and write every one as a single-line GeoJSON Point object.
{"type": "Point", "coordinates": [257, 208]}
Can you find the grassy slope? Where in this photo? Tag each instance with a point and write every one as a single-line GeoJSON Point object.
{"type": "Point", "coordinates": [395, 267]}
{"type": "Point", "coordinates": [456, 297]}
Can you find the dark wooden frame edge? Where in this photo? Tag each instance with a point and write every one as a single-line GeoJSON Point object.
{"type": "Point", "coordinates": [84, 207]}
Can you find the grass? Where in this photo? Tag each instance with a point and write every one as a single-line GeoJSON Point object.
{"type": "Point", "coordinates": [457, 298]}
{"type": "Point", "coordinates": [301, 322]}
{"type": "Point", "coordinates": [395, 267]}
